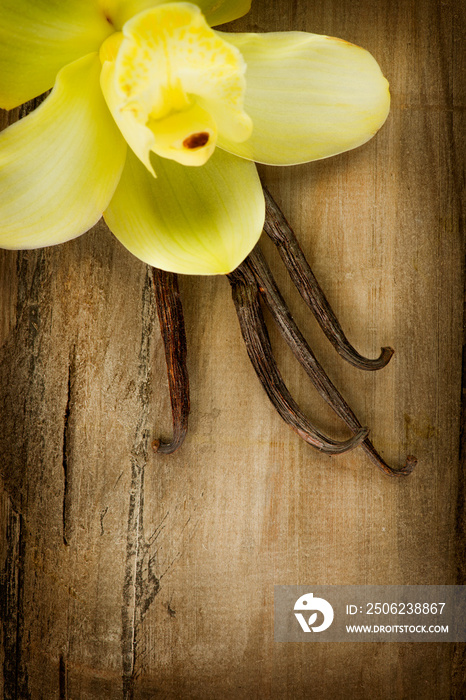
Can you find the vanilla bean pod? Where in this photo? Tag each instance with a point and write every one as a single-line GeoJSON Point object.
{"type": "Point", "coordinates": [282, 235]}
{"type": "Point", "coordinates": [271, 295]}
{"type": "Point", "coordinates": [170, 313]}
{"type": "Point", "coordinates": [246, 298]}
{"type": "Point", "coordinates": [249, 281]}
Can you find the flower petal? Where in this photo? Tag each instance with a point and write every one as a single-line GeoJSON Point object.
{"type": "Point", "coordinates": [222, 11]}
{"type": "Point", "coordinates": [60, 165]}
{"type": "Point", "coordinates": [39, 37]}
{"type": "Point", "coordinates": [215, 11]}
{"type": "Point", "coordinates": [309, 97]}
{"type": "Point", "coordinates": [201, 221]}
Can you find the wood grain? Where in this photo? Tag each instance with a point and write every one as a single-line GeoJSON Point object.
{"type": "Point", "coordinates": [126, 574]}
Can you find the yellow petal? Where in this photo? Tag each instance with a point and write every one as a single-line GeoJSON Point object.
{"type": "Point", "coordinates": [309, 97]}
{"type": "Point", "coordinates": [215, 11]}
{"type": "Point", "coordinates": [201, 221]}
{"type": "Point", "coordinates": [222, 11]}
{"type": "Point", "coordinates": [172, 84]}
{"type": "Point", "coordinates": [60, 165]}
{"type": "Point", "coordinates": [39, 37]}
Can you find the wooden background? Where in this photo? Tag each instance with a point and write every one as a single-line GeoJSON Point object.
{"type": "Point", "coordinates": [126, 574]}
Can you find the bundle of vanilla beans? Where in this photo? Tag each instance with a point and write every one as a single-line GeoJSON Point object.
{"type": "Point", "coordinates": [252, 282]}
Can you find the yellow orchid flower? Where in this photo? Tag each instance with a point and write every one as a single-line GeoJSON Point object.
{"type": "Point", "coordinates": [195, 106]}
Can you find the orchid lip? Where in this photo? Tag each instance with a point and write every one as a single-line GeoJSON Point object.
{"type": "Point", "coordinates": [173, 84]}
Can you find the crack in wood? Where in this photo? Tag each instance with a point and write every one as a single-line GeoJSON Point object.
{"type": "Point", "coordinates": [66, 462]}
{"type": "Point", "coordinates": [171, 611]}
{"type": "Point", "coordinates": [62, 678]}
{"type": "Point", "coordinates": [141, 583]}
{"type": "Point", "coordinates": [103, 513]}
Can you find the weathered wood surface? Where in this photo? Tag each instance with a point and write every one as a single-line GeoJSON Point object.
{"type": "Point", "coordinates": [128, 574]}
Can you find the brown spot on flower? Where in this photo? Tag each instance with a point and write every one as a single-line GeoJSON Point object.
{"type": "Point", "coordinates": [196, 140]}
